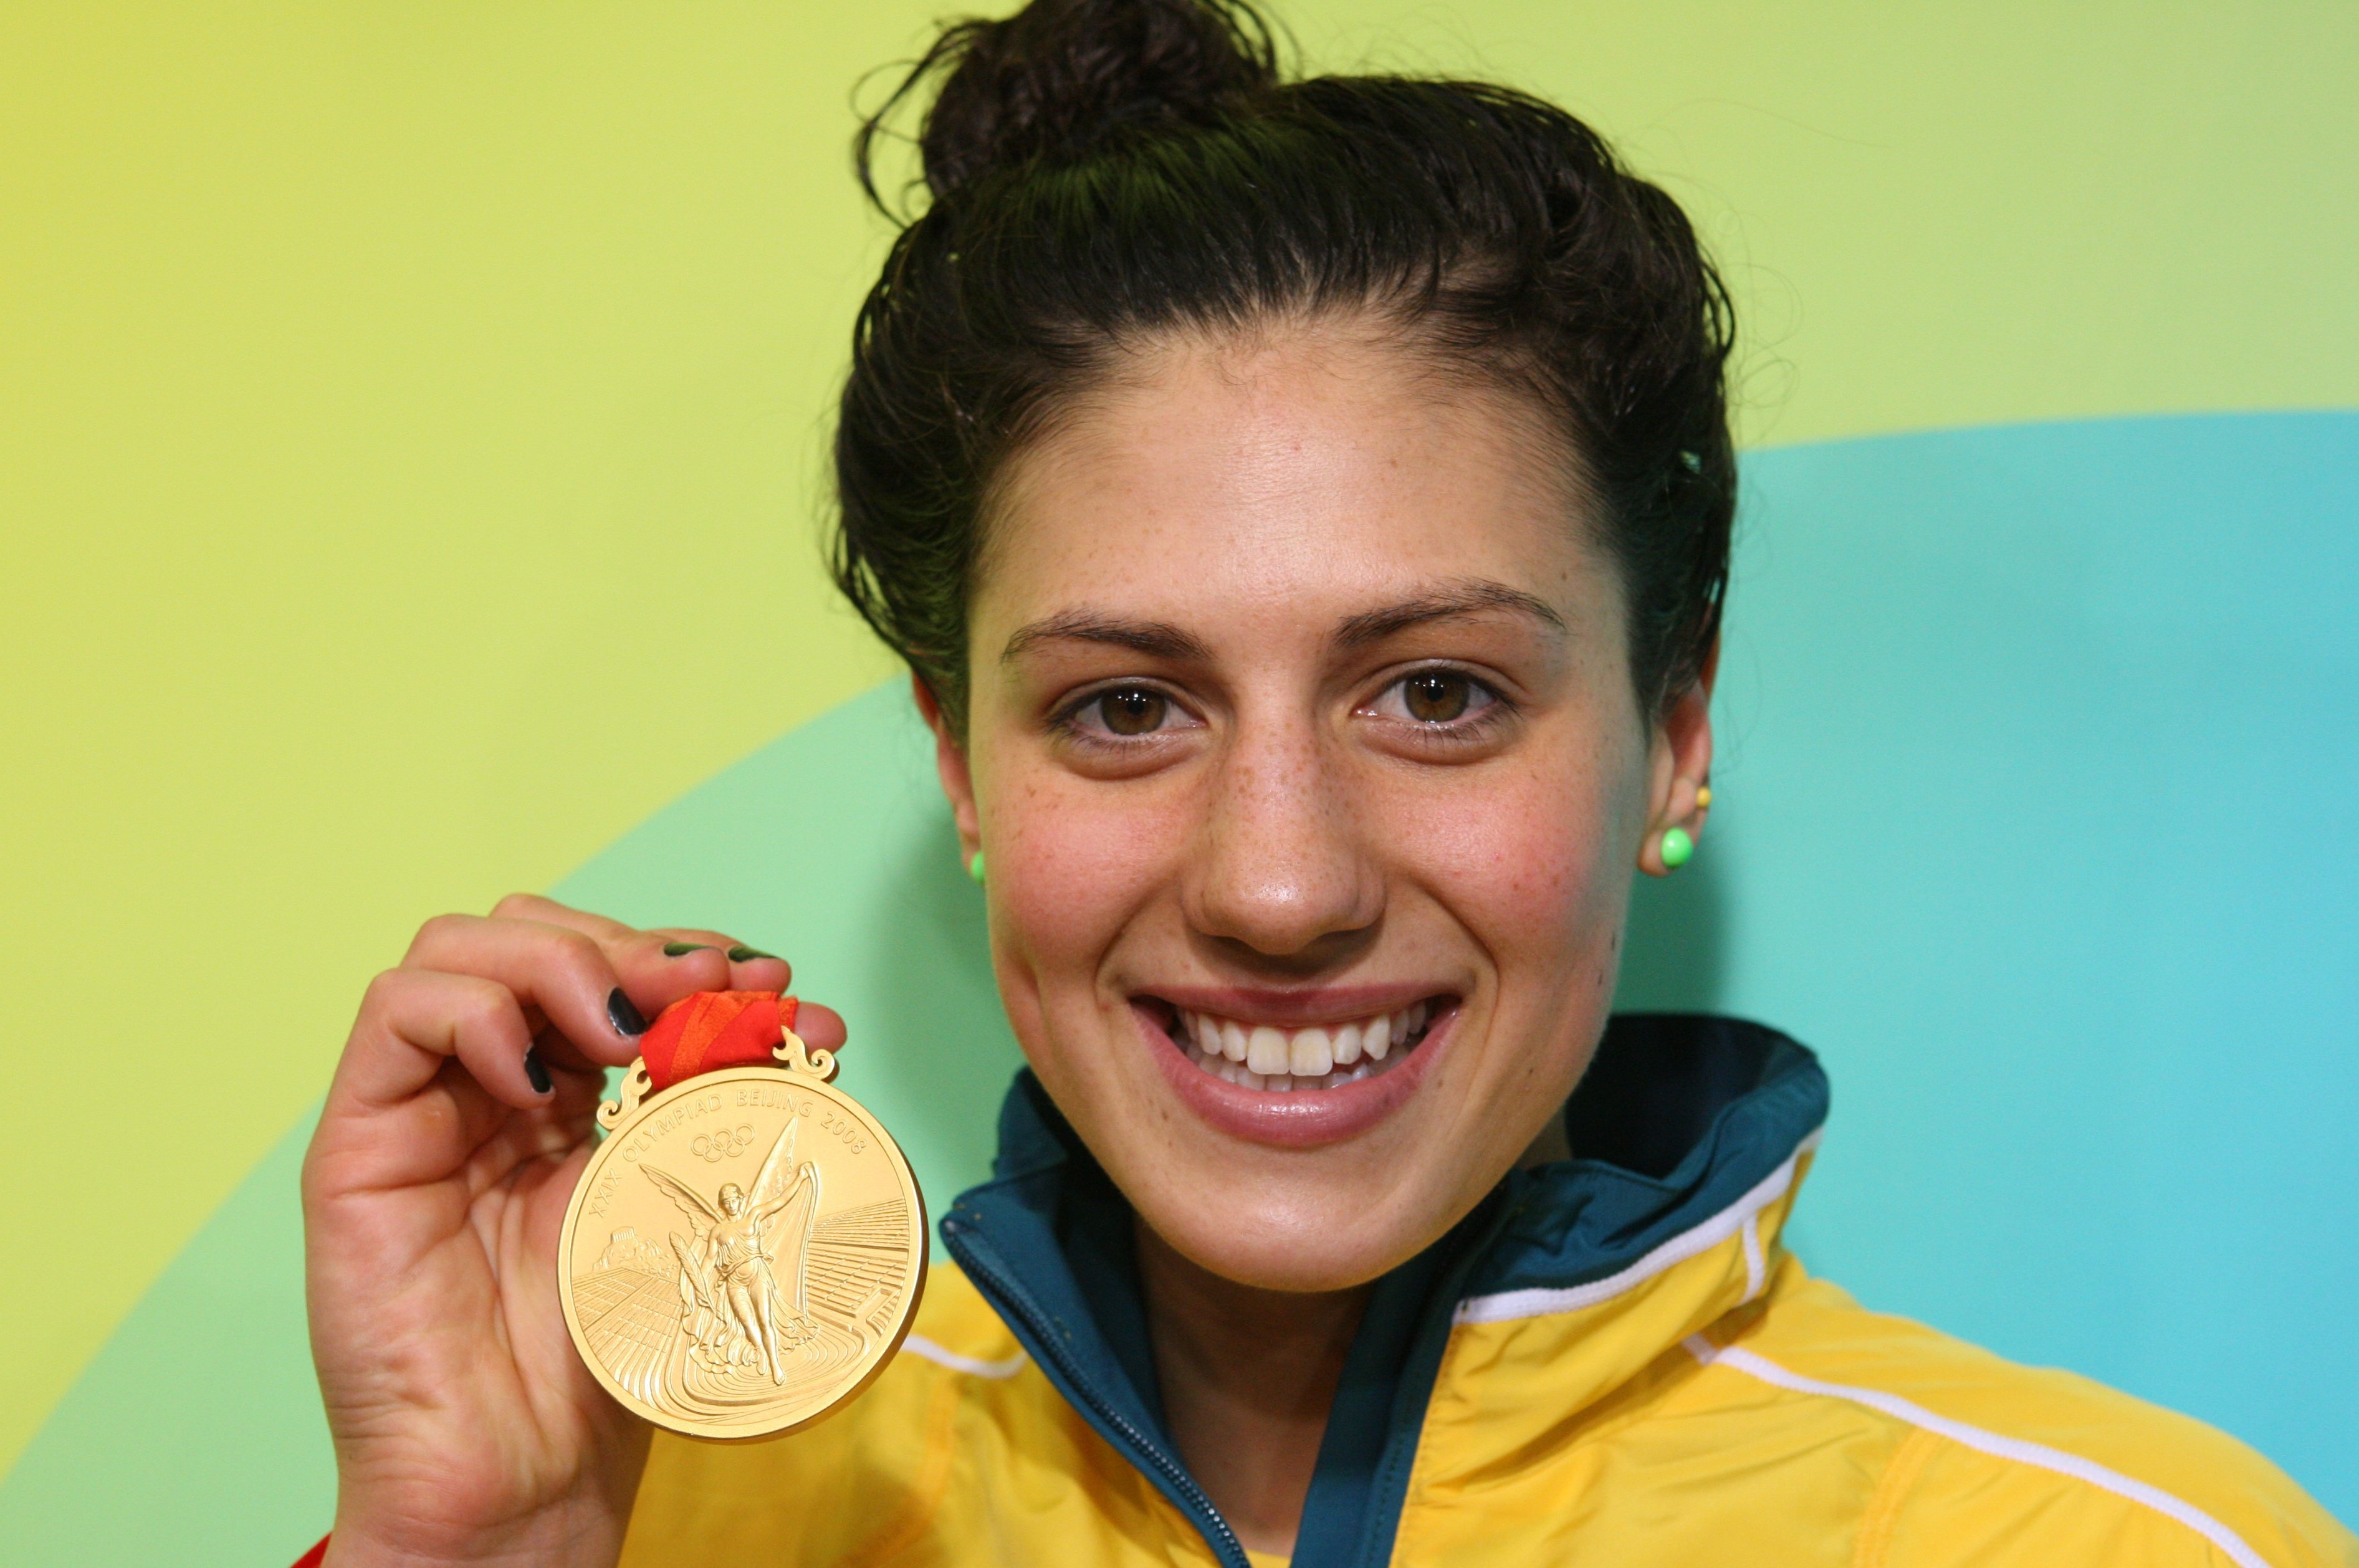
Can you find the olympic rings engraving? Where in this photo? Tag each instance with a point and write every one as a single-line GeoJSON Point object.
{"type": "Point", "coordinates": [715, 1147]}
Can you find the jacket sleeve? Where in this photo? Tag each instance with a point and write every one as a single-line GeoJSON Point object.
{"type": "Point", "coordinates": [1943, 1503]}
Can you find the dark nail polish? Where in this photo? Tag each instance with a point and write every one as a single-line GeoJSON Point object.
{"type": "Point", "coordinates": [626, 1018]}
{"type": "Point", "coordinates": [741, 953]}
{"type": "Point", "coordinates": [537, 1070]}
{"type": "Point", "coordinates": [682, 949]}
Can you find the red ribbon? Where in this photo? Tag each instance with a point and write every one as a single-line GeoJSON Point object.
{"type": "Point", "coordinates": [712, 1030]}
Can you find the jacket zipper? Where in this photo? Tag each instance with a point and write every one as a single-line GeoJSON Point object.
{"type": "Point", "coordinates": [1146, 1452]}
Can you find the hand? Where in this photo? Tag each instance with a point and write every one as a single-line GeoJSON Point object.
{"type": "Point", "coordinates": [460, 1118]}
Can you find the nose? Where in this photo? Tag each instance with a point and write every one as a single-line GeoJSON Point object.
{"type": "Point", "coordinates": [1280, 867]}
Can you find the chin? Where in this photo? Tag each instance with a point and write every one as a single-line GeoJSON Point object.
{"type": "Point", "coordinates": [1298, 1241]}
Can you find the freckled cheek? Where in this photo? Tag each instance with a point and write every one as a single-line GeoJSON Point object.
{"type": "Point", "coordinates": [1525, 863]}
{"type": "Point", "coordinates": [1070, 867]}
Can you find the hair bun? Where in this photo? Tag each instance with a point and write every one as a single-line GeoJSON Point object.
{"type": "Point", "coordinates": [1059, 77]}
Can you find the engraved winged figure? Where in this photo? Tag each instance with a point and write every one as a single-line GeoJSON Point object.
{"type": "Point", "coordinates": [735, 1251]}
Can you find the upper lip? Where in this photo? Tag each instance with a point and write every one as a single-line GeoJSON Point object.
{"type": "Point", "coordinates": [1297, 1009]}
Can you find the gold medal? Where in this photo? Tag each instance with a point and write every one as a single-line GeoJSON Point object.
{"type": "Point", "coordinates": [747, 1248]}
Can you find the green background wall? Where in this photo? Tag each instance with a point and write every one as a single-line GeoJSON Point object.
{"type": "Point", "coordinates": [410, 425]}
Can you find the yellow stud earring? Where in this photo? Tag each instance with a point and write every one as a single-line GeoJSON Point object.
{"type": "Point", "coordinates": [1703, 797]}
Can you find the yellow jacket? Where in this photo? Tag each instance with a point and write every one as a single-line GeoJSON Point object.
{"type": "Point", "coordinates": [1613, 1361]}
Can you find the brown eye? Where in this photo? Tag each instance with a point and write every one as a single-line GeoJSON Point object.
{"type": "Point", "coordinates": [1436, 696]}
{"type": "Point", "coordinates": [1132, 711]}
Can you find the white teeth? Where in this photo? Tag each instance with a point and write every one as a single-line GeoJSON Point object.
{"type": "Point", "coordinates": [1233, 1041]}
{"type": "Point", "coordinates": [1283, 1062]}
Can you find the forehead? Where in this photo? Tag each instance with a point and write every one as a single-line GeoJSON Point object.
{"type": "Point", "coordinates": [1308, 465]}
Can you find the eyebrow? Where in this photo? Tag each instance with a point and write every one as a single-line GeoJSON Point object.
{"type": "Point", "coordinates": [1471, 597]}
{"type": "Point", "coordinates": [1157, 639]}
{"type": "Point", "coordinates": [1161, 640]}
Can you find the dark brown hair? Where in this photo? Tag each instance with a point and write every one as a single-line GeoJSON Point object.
{"type": "Point", "coordinates": [1100, 171]}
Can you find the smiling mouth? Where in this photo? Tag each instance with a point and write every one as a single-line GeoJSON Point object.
{"type": "Point", "coordinates": [1288, 1061]}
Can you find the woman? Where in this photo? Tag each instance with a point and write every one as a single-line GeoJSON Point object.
{"type": "Point", "coordinates": [1305, 510]}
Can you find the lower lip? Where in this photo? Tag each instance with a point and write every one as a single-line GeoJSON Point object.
{"type": "Point", "coordinates": [1306, 1118]}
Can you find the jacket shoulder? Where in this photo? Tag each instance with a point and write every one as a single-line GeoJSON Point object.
{"type": "Point", "coordinates": [1989, 1462]}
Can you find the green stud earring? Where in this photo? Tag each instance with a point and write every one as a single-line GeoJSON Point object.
{"type": "Point", "coordinates": [1679, 847]}
{"type": "Point", "coordinates": [974, 867]}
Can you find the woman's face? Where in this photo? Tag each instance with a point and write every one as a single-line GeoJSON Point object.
{"type": "Point", "coordinates": [1302, 731]}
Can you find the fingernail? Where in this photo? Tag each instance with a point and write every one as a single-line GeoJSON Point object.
{"type": "Point", "coordinates": [626, 1018]}
{"type": "Point", "coordinates": [741, 953]}
{"type": "Point", "coordinates": [537, 1070]}
{"type": "Point", "coordinates": [682, 949]}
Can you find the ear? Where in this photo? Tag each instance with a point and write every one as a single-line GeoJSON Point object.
{"type": "Point", "coordinates": [1681, 765]}
{"type": "Point", "coordinates": [949, 762]}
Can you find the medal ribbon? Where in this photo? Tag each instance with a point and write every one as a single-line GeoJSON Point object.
{"type": "Point", "coordinates": [712, 1030]}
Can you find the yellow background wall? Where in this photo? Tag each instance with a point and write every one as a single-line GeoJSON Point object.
{"type": "Point", "coordinates": [412, 421]}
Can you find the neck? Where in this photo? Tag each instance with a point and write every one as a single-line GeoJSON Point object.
{"type": "Point", "coordinates": [1247, 1375]}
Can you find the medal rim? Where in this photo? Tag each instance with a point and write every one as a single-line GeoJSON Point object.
{"type": "Point", "coordinates": [760, 1073]}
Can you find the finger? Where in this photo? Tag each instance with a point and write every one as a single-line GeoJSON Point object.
{"type": "Point", "coordinates": [753, 970]}
{"type": "Point", "coordinates": [548, 911]}
{"type": "Point", "coordinates": [564, 974]}
{"type": "Point", "coordinates": [750, 968]}
{"type": "Point", "coordinates": [822, 1028]}
{"type": "Point", "coordinates": [676, 942]}
{"type": "Point", "coordinates": [661, 967]}
{"type": "Point", "coordinates": [413, 1020]}
{"type": "Point", "coordinates": [658, 966]}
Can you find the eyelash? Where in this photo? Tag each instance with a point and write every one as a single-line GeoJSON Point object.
{"type": "Point", "coordinates": [1496, 710]}
{"type": "Point", "coordinates": [1067, 720]}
